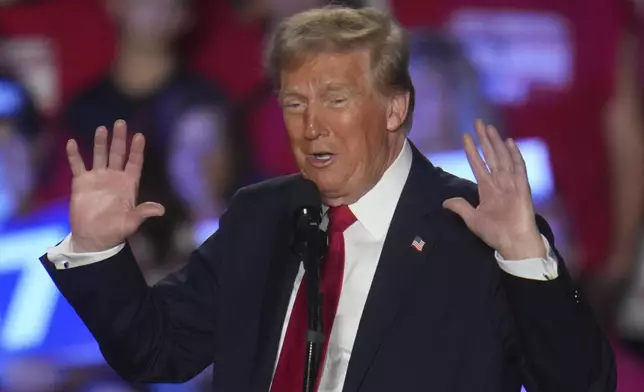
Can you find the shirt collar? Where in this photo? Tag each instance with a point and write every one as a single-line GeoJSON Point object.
{"type": "Point", "coordinates": [376, 208]}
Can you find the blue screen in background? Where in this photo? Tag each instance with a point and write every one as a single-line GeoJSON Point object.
{"type": "Point", "coordinates": [12, 98]}
{"type": "Point", "coordinates": [35, 318]}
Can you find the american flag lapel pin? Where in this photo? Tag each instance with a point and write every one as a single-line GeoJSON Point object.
{"type": "Point", "coordinates": [418, 243]}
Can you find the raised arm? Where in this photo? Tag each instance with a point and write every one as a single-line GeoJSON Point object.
{"type": "Point", "coordinates": [147, 334]}
{"type": "Point", "coordinates": [561, 345]}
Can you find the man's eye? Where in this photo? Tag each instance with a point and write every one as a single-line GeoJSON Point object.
{"type": "Point", "coordinates": [293, 105]}
{"type": "Point", "coordinates": [338, 101]}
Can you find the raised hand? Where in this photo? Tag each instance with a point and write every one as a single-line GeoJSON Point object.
{"type": "Point", "coordinates": [504, 218]}
{"type": "Point", "coordinates": [103, 209]}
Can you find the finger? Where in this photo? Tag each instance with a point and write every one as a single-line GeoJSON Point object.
{"type": "Point", "coordinates": [520, 170]}
{"type": "Point", "coordinates": [75, 160]}
{"type": "Point", "coordinates": [100, 148]}
{"type": "Point", "coordinates": [461, 207]}
{"type": "Point", "coordinates": [148, 210]}
{"type": "Point", "coordinates": [474, 158]}
{"type": "Point", "coordinates": [142, 212]}
{"type": "Point", "coordinates": [488, 151]}
{"type": "Point", "coordinates": [500, 149]}
{"type": "Point", "coordinates": [135, 160]}
{"type": "Point", "coordinates": [117, 148]}
{"type": "Point", "coordinates": [517, 158]}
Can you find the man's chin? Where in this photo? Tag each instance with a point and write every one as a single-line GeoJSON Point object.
{"type": "Point", "coordinates": [328, 185]}
{"type": "Point", "coordinates": [333, 196]}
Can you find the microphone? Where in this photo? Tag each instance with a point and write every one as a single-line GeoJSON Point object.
{"type": "Point", "coordinates": [308, 215]}
{"type": "Point", "coordinates": [310, 247]}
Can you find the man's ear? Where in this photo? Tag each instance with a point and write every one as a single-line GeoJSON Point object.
{"type": "Point", "coordinates": [397, 111]}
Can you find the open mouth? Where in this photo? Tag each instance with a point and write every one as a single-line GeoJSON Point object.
{"type": "Point", "coordinates": [323, 156]}
{"type": "Point", "coordinates": [321, 159]}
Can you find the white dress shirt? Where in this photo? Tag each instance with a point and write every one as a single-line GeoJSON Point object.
{"type": "Point", "coordinates": [363, 244]}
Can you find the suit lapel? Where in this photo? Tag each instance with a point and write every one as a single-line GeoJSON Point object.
{"type": "Point", "coordinates": [278, 288]}
{"type": "Point", "coordinates": [398, 265]}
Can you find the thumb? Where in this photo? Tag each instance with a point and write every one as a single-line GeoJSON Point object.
{"type": "Point", "coordinates": [148, 210]}
{"type": "Point", "coordinates": [459, 206]}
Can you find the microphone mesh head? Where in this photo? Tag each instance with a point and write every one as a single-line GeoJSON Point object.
{"type": "Point", "coordinates": [307, 206]}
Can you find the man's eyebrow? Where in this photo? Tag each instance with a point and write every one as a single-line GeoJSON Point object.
{"type": "Point", "coordinates": [289, 93]}
{"type": "Point", "coordinates": [337, 87]}
{"type": "Point", "coordinates": [331, 87]}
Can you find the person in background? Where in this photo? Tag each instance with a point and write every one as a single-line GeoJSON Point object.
{"type": "Point", "coordinates": [449, 93]}
{"type": "Point", "coordinates": [617, 288]}
{"type": "Point", "coordinates": [20, 136]}
{"type": "Point", "coordinates": [191, 162]}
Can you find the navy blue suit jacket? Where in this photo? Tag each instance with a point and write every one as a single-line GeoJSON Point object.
{"type": "Point", "coordinates": [444, 319]}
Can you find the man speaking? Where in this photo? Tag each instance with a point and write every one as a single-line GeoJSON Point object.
{"type": "Point", "coordinates": [423, 282]}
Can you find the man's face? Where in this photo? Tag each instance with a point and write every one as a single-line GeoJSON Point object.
{"type": "Point", "coordinates": [343, 132]}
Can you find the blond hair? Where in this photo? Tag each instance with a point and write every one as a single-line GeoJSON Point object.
{"type": "Point", "coordinates": [341, 29]}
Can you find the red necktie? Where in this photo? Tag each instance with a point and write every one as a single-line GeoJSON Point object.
{"type": "Point", "coordinates": [289, 375]}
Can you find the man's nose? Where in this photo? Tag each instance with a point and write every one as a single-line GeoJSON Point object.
{"type": "Point", "coordinates": [314, 127]}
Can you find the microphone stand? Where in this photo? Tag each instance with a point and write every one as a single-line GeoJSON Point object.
{"type": "Point", "coordinates": [314, 335]}
{"type": "Point", "coordinates": [310, 251]}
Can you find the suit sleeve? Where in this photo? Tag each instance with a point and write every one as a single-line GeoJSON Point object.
{"type": "Point", "coordinates": [562, 346]}
{"type": "Point", "coordinates": [163, 333]}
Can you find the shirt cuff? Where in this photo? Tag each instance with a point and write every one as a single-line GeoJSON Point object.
{"type": "Point", "coordinates": [64, 257]}
{"type": "Point", "coordinates": [535, 269]}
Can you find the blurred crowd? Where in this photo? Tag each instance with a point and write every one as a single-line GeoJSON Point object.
{"type": "Point", "coordinates": [188, 75]}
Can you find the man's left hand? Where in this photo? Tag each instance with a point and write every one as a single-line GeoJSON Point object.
{"type": "Point", "coordinates": [504, 218]}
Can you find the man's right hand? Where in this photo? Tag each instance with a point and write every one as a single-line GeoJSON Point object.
{"type": "Point", "coordinates": [103, 209]}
